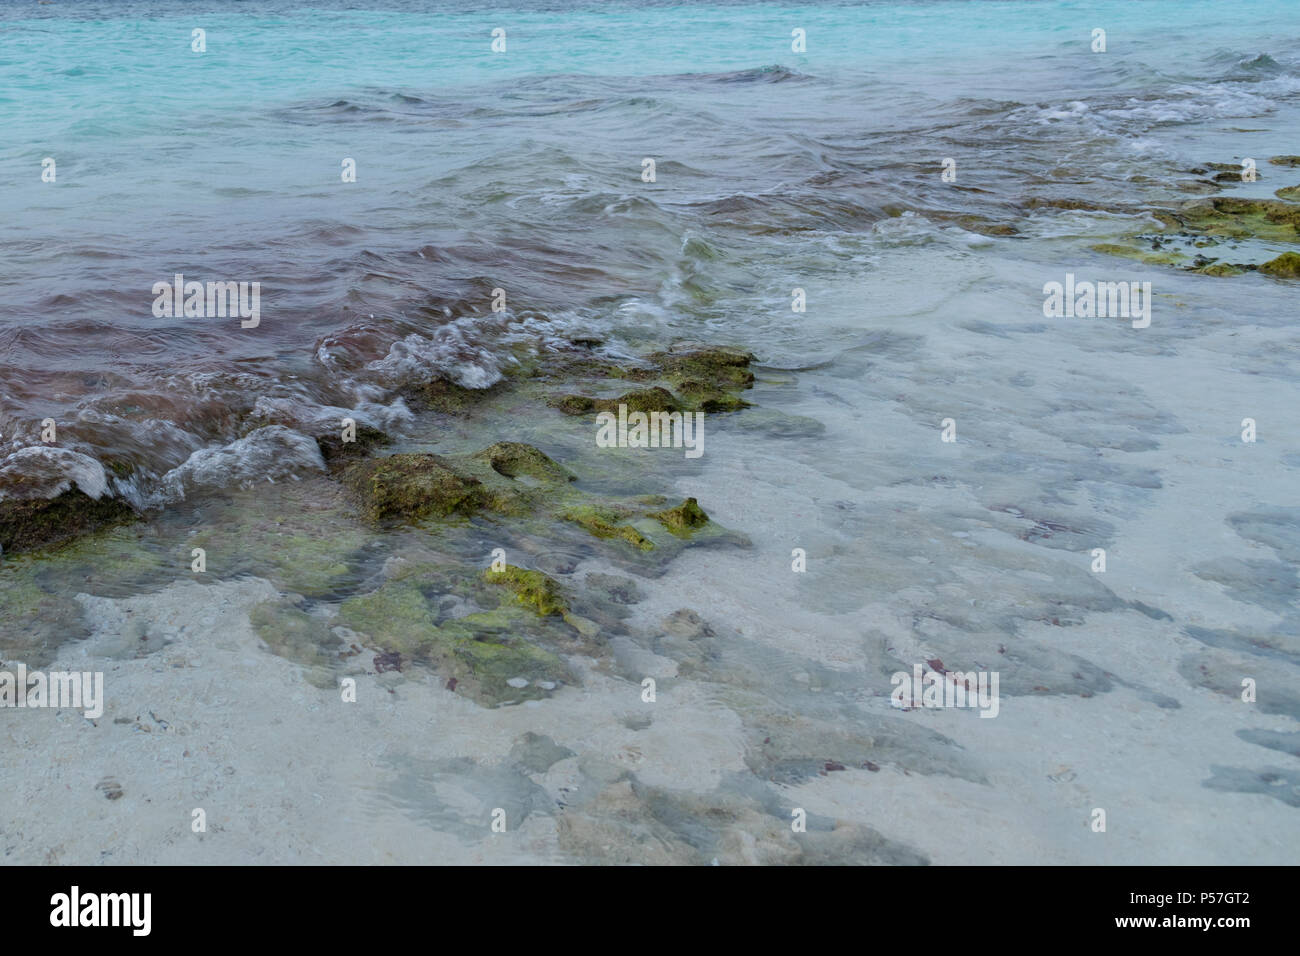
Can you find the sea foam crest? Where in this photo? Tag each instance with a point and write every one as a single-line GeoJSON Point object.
{"type": "Point", "coordinates": [266, 454]}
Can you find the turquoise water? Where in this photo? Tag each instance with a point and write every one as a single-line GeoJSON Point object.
{"type": "Point", "coordinates": [521, 170]}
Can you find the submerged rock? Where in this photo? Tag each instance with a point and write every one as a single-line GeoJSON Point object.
{"type": "Point", "coordinates": [1139, 255]}
{"type": "Point", "coordinates": [1285, 266]}
{"type": "Point", "coordinates": [335, 450]}
{"type": "Point", "coordinates": [714, 366]}
{"type": "Point", "coordinates": [638, 400]}
{"type": "Point", "coordinates": [1237, 217]}
{"type": "Point", "coordinates": [512, 459]}
{"type": "Point", "coordinates": [706, 398]}
{"type": "Point", "coordinates": [297, 636]}
{"type": "Point", "coordinates": [411, 485]}
{"type": "Point", "coordinates": [444, 396]}
{"type": "Point", "coordinates": [608, 522]}
{"type": "Point", "coordinates": [703, 378]}
{"type": "Point", "coordinates": [480, 652]}
{"type": "Point", "coordinates": [1219, 269]}
{"type": "Point", "coordinates": [1212, 222]}
{"type": "Point", "coordinates": [683, 519]}
{"type": "Point", "coordinates": [532, 589]}
{"type": "Point", "coordinates": [26, 524]}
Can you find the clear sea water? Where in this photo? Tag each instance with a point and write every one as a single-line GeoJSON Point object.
{"type": "Point", "coordinates": [775, 170]}
{"type": "Point", "coordinates": [522, 170]}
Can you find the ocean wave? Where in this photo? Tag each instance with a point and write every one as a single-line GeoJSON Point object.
{"type": "Point", "coordinates": [273, 453]}
{"type": "Point", "coordinates": [39, 471]}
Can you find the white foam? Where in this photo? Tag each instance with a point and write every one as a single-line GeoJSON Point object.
{"type": "Point", "coordinates": [267, 454]}
{"type": "Point", "coordinates": [40, 471]}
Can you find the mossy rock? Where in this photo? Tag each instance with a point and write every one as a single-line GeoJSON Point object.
{"type": "Point", "coordinates": [715, 366]}
{"type": "Point", "coordinates": [26, 524]}
{"type": "Point", "coordinates": [1235, 217]}
{"type": "Point", "coordinates": [313, 563]}
{"type": "Point", "coordinates": [608, 522]}
{"type": "Point", "coordinates": [396, 615]}
{"type": "Point", "coordinates": [1219, 269]}
{"type": "Point", "coordinates": [683, 519]}
{"type": "Point", "coordinates": [483, 651]}
{"type": "Point", "coordinates": [986, 227]}
{"type": "Point", "coordinates": [574, 404]}
{"type": "Point", "coordinates": [703, 378]}
{"type": "Point", "coordinates": [413, 485]}
{"type": "Point", "coordinates": [493, 664]}
{"type": "Point", "coordinates": [1285, 266]}
{"type": "Point", "coordinates": [513, 459]}
{"type": "Point", "coordinates": [303, 536]}
{"type": "Point", "coordinates": [335, 450]}
{"type": "Point", "coordinates": [1285, 160]}
{"type": "Point", "coordinates": [699, 397]}
{"type": "Point", "coordinates": [532, 589]}
{"type": "Point", "coordinates": [1289, 193]}
{"type": "Point", "coordinates": [441, 395]}
{"type": "Point", "coordinates": [1043, 202]}
{"type": "Point", "coordinates": [1274, 211]}
{"type": "Point", "coordinates": [654, 399]}
{"type": "Point", "coordinates": [1138, 255]}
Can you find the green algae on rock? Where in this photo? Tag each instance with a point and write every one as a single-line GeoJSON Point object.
{"type": "Point", "coordinates": [1219, 269]}
{"type": "Point", "coordinates": [608, 522]}
{"type": "Point", "coordinates": [485, 650]}
{"type": "Point", "coordinates": [441, 395]}
{"type": "Point", "coordinates": [26, 524]}
{"type": "Point", "coordinates": [704, 378]}
{"type": "Point", "coordinates": [706, 398]}
{"type": "Point", "coordinates": [983, 225]}
{"type": "Point", "coordinates": [1290, 193]}
{"type": "Point", "coordinates": [684, 519]}
{"type": "Point", "coordinates": [714, 366]}
{"type": "Point", "coordinates": [303, 536]}
{"type": "Point", "coordinates": [411, 485]}
{"type": "Point", "coordinates": [336, 451]}
{"type": "Point", "coordinates": [512, 459]}
{"type": "Point", "coordinates": [1285, 266]}
{"type": "Point", "coordinates": [114, 561]}
{"type": "Point", "coordinates": [1285, 160]}
{"type": "Point", "coordinates": [1236, 217]}
{"type": "Point", "coordinates": [533, 589]}
{"type": "Point", "coordinates": [638, 400]}
{"type": "Point", "coordinates": [1139, 255]}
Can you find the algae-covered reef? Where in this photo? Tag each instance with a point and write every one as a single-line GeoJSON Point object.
{"type": "Point", "coordinates": [689, 378]}
{"type": "Point", "coordinates": [512, 480]}
{"type": "Point", "coordinates": [27, 524]}
{"type": "Point", "coordinates": [385, 549]}
{"type": "Point", "coordinates": [1221, 235]}
{"type": "Point", "coordinates": [485, 634]}
{"type": "Point", "coordinates": [349, 549]}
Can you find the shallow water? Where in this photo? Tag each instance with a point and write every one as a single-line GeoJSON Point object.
{"type": "Point", "coordinates": [775, 170]}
